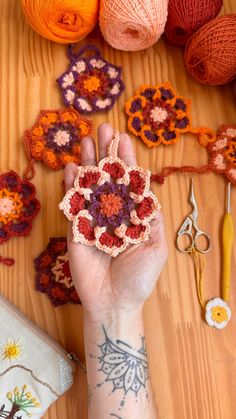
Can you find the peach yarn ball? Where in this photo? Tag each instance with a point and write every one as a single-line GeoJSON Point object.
{"type": "Point", "coordinates": [132, 25]}
{"type": "Point", "coordinates": [210, 54]}
{"type": "Point", "coordinates": [61, 21]}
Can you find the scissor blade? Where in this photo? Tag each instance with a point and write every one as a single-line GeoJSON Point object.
{"type": "Point", "coordinates": [192, 200]}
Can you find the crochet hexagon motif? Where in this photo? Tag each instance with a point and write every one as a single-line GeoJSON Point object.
{"type": "Point", "coordinates": [18, 206]}
{"type": "Point", "coordinates": [157, 115]}
{"type": "Point", "coordinates": [55, 139]}
{"type": "Point", "coordinates": [111, 205]}
{"type": "Point", "coordinates": [91, 84]}
{"type": "Point", "coordinates": [53, 275]}
{"type": "Point", "coordinates": [222, 152]}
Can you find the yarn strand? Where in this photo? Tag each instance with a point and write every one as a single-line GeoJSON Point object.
{"type": "Point", "coordinates": [169, 170]}
{"type": "Point", "coordinates": [199, 266]}
{"type": "Point", "coordinates": [29, 171]}
{"type": "Point", "coordinates": [7, 261]}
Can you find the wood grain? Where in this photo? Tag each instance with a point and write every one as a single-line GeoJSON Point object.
{"type": "Point", "coordinates": [192, 366]}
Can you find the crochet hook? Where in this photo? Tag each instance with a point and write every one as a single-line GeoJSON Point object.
{"type": "Point", "coordinates": [227, 244]}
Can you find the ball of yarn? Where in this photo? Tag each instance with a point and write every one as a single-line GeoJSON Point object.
{"type": "Point", "coordinates": [210, 54]}
{"type": "Point", "coordinates": [62, 21]}
{"type": "Point", "coordinates": [132, 25]}
{"type": "Point", "coordinates": [186, 17]}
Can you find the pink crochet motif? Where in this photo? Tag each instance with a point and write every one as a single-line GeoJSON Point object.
{"type": "Point", "coordinates": [111, 205]}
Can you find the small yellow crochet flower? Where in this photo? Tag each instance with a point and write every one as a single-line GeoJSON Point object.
{"type": "Point", "coordinates": [217, 313]}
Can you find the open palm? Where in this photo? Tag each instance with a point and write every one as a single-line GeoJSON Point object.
{"type": "Point", "coordinates": [104, 282]}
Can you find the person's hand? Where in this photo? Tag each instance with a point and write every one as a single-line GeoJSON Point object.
{"type": "Point", "coordinates": [103, 282]}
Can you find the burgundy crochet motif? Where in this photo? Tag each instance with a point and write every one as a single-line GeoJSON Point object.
{"type": "Point", "coordinates": [18, 206]}
{"type": "Point", "coordinates": [53, 275]}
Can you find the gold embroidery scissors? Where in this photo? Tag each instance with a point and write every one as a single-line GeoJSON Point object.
{"type": "Point", "coordinates": [190, 229]}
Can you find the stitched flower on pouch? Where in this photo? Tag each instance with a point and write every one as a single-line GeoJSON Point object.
{"type": "Point", "coordinates": [91, 84]}
{"type": "Point", "coordinates": [223, 152]}
{"type": "Point", "coordinates": [158, 115]}
{"type": "Point", "coordinates": [22, 401]}
{"type": "Point", "coordinates": [111, 205]}
{"type": "Point", "coordinates": [11, 350]}
{"type": "Point", "coordinates": [55, 138]}
{"type": "Point", "coordinates": [53, 275]}
{"type": "Point", "coordinates": [217, 313]}
{"type": "Point", "coordinates": [18, 206]}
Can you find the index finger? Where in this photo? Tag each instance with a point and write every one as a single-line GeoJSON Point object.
{"type": "Point", "coordinates": [126, 150]}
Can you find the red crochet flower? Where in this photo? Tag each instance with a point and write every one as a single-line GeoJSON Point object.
{"type": "Point", "coordinates": [223, 152]}
{"type": "Point", "coordinates": [111, 205]}
{"type": "Point", "coordinates": [53, 273]}
{"type": "Point", "coordinates": [18, 206]}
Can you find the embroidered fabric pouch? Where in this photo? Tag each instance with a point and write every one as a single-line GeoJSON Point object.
{"type": "Point", "coordinates": [34, 369]}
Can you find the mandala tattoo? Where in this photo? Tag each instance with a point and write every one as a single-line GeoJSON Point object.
{"type": "Point", "coordinates": [124, 366]}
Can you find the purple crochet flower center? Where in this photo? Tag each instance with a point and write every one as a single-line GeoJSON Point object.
{"type": "Point", "coordinates": [64, 127]}
{"type": "Point", "coordinates": [115, 220]}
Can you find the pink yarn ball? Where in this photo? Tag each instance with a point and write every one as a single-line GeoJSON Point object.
{"type": "Point", "coordinates": [132, 25]}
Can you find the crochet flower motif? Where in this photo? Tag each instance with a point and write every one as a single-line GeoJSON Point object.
{"type": "Point", "coordinates": [158, 115]}
{"type": "Point", "coordinates": [18, 206]}
{"type": "Point", "coordinates": [90, 84]}
{"type": "Point", "coordinates": [217, 313]}
{"type": "Point", "coordinates": [55, 139]}
{"type": "Point", "coordinates": [223, 152]}
{"type": "Point", "coordinates": [53, 275]}
{"type": "Point", "coordinates": [110, 205]}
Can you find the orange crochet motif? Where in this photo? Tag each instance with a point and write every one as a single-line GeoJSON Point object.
{"type": "Point", "coordinates": [158, 115]}
{"type": "Point", "coordinates": [55, 139]}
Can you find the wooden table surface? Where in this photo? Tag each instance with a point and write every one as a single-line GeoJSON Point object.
{"type": "Point", "coordinates": [193, 367]}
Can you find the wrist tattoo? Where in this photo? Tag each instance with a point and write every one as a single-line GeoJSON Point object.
{"type": "Point", "coordinates": [124, 366]}
{"type": "Point", "coordinates": [115, 416]}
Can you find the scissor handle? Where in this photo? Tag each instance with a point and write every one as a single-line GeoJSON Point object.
{"type": "Point", "coordinates": [179, 247]}
{"type": "Point", "coordinates": [193, 242]}
{"type": "Point", "coordinates": [198, 234]}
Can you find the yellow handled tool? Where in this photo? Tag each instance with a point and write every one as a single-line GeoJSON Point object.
{"type": "Point", "coordinates": [227, 243]}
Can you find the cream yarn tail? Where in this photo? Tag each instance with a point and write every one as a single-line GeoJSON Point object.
{"type": "Point", "coordinates": [132, 25]}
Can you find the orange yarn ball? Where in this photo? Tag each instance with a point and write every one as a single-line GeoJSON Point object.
{"type": "Point", "coordinates": [186, 17]}
{"type": "Point", "coordinates": [62, 21]}
{"type": "Point", "coordinates": [132, 25]}
{"type": "Point", "coordinates": [210, 54]}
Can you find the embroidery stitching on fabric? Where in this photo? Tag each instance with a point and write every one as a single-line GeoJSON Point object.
{"type": "Point", "coordinates": [32, 375]}
{"type": "Point", "coordinates": [11, 350]}
{"type": "Point", "coordinates": [53, 275]}
{"type": "Point", "coordinates": [111, 205]}
{"type": "Point", "coordinates": [158, 115]}
{"type": "Point", "coordinates": [91, 84]}
{"type": "Point", "coordinates": [55, 139]}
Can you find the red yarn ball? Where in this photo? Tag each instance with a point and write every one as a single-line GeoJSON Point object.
{"type": "Point", "coordinates": [210, 54]}
{"type": "Point", "coordinates": [186, 16]}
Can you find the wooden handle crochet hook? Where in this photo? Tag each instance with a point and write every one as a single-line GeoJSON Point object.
{"type": "Point", "coordinates": [227, 242]}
